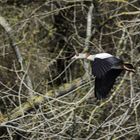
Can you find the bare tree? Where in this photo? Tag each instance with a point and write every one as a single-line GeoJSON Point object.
{"type": "Point", "coordinates": [46, 95]}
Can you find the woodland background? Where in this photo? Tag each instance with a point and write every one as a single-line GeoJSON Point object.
{"type": "Point", "coordinates": [44, 95]}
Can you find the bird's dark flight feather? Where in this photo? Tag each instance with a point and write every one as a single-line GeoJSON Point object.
{"type": "Point", "coordinates": [104, 84]}
{"type": "Point", "coordinates": [101, 66]}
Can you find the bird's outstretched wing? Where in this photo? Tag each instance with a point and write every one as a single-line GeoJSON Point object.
{"type": "Point", "coordinates": [100, 67]}
{"type": "Point", "coordinates": [104, 84]}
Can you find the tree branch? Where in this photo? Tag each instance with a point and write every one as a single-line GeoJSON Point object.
{"type": "Point", "coordinates": [16, 50]}
{"type": "Point", "coordinates": [39, 98]}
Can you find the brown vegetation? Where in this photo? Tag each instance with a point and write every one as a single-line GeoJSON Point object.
{"type": "Point", "coordinates": [43, 93]}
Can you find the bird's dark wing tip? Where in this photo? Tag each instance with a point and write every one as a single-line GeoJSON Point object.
{"type": "Point", "coordinates": [104, 84]}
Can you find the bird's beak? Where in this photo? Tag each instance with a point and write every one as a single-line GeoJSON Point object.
{"type": "Point", "coordinates": [75, 56]}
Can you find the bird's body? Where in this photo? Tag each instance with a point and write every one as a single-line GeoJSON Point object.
{"type": "Point", "coordinates": [103, 55]}
{"type": "Point", "coordinates": [106, 71]}
{"type": "Point", "coordinates": [106, 68]}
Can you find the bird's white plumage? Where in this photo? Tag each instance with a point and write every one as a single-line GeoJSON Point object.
{"type": "Point", "coordinates": [103, 55]}
{"type": "Point", "coordinates": [92, 57]}
{"type": "Point", "coordinates": [79, 56]}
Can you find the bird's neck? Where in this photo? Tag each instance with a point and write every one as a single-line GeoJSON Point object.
{"type": "Point", "coordinates": [91, 57]}
{"type": "Point", "coordinates": [82, 55]}
{"type": "Point", "coordinates": [86, 56]}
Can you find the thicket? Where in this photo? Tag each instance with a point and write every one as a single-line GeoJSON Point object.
{"type": "Point", "coordinates": [43, 93]}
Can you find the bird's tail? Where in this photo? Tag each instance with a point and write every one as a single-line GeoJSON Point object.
{"type": "Point", "coordinates": [129, 67]}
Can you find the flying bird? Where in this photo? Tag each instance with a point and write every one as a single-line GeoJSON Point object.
{"type": "Point", "coordinates": [106, 68]}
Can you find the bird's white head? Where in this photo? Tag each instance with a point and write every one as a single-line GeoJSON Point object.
{"type": "Point", "coordinates": [84, 56]}
{"type": "Point", "coordinates": [79, 56]}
